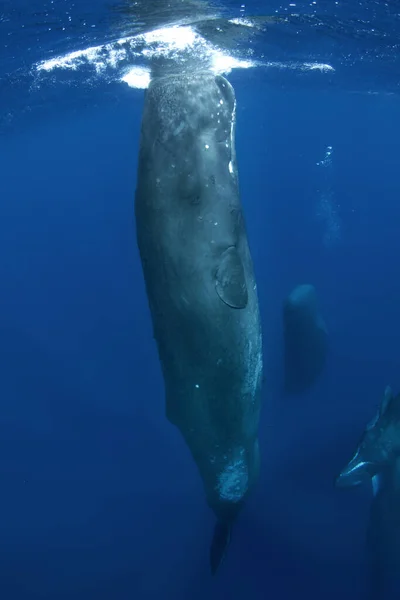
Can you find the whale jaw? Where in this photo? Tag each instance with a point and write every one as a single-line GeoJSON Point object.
{"type": "Point", "coordinates": [356, 472]}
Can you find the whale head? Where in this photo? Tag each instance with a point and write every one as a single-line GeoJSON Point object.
{"type": "Point", "coordinates": [379, 445]}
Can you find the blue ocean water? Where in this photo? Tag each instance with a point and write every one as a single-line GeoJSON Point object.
{"type": "Point", "coordinates": [99, 496]}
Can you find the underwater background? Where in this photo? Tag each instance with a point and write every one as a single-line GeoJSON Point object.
{"type": "Point", "coordinates": [99, 496]}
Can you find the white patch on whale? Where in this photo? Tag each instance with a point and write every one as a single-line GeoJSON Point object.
{"type": "Point", "coordinates": [233, 481]}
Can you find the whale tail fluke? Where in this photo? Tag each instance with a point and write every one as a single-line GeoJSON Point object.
{"type": "Point", "coordinates": [219, 545]}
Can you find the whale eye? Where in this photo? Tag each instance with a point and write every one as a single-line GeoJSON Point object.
{"type": "Point", "coordinates": [189, 188]}
{"type": "Point", "coordinates": [230, 282]}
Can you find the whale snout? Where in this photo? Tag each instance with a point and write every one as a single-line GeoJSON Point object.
{"type": "Point", "coordinates": [344, 480]}
{"type": "Point", "coordinates": [355, 473]}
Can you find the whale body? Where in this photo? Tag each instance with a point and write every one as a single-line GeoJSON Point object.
{"type": "Point", "coordinates": [200, 284]}
{"type": "Point", "coordinates": [383, 534]}
{"type": "Point", "coordinates": [377, 460]}
{"type": "Point", "coordinates": [305, 339]}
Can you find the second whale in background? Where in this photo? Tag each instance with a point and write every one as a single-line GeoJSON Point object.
{"type": "Point", "coordinates": [377, 461]}
{"type": "Point", "coordinates": [305, 339]}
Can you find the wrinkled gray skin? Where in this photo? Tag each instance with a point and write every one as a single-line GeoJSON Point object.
{"type": "Point", "coordinates": [377, 460]}
{"type": "Point", "coordinates": [305, 339]}
{"type": "Point", "coordinates": [200, 284]}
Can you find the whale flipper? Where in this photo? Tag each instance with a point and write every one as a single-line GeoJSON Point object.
{"type": "Point", "coordinates": [219, 545]}
{"type": "Point", "coordinates": [230, 279]}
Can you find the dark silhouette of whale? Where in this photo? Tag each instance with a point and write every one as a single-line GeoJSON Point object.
{"type": "Point", "coordinates": [305, 339]}
{"type": "Point", "coordinates": [200, 284]}
{"type": "Point", "coordinates": [379, 445]}
{"type": "Point", "coordinates": [377, 460]}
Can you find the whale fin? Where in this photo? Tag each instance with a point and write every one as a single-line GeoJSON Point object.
{"type": "Point", "coordinates": [219, 545]}
{"type": "Point", "coordinates": [230, 282]}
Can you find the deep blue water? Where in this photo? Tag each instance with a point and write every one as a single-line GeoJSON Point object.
{"type": "Point", "coordinates": [99, 496]}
